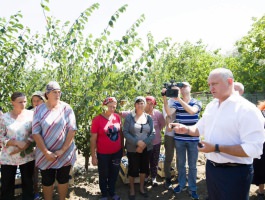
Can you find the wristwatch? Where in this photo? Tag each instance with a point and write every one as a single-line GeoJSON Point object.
{"type": "Point", "coordinates": [217, 150]}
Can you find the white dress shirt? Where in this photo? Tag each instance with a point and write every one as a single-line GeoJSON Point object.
{"type": "Point", "coordinates": [235, 122]}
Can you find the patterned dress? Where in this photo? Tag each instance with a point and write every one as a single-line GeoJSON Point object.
{"type": "Point", "coordinates": [53, 126]}
{"type": "Point", "coordinates": [12, 129]}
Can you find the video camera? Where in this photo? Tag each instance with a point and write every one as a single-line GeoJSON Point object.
{"type": "Point", "coordinates": [172, 92]}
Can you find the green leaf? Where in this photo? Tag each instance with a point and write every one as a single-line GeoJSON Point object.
{"type": "Point", "coordinates": [22, 154]}
{"type": "Point", "coordinates": [85, 54]}
{"type": "Point", "coordinates": [20, 26]}
{"type": "Point", "coordinates": [125, 40]}
{"type": "Point", "coordinates": [126, 52]}
{"type": "Point", "coordinates": [46, 8]}
{"type": "Point", "coordinates": [90, 50]}
{"type": "Point", "coordinates": [73, 41]}
{"type": "Point", "coordinates": [114, 67]}
{"type": "Point", "coordinates": [120, 58]}
{"type": "Point", "coordinates": [104, 38]}
{"type": "Point", "coordinates": [111, 23]}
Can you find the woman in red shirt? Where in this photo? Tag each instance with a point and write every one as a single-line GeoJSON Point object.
{"type": "Point", "coordinates": [106, 146]}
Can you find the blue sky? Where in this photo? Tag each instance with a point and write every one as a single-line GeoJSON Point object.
{"type": "Point", "coordinates": [219, 23]}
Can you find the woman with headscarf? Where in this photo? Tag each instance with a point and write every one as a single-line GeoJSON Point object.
{"type": "Point", "coordinates": [53, 130]}
{"type": "Point", "coordinates": [259, 164]}
{"type": "Point", "coordinates": [37, 98]}
{"type": "Point", "coordinates": [106, 146]}
{"type": "Point", "coordinates": [159, 123]}
{"type": "Point", "coordinates": [15, 139]}
{"type": "Point", "coordinates": [138, 129]}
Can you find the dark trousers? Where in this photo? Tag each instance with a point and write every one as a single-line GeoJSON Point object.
{"type": "Point", "coordinates": [8, 173]}
{"type": "Point", "coordinates": [154, 158]}
{"type": "Point", "coordinates": [108, 169]}
{"type": "Point", "coordinates": [228, 183]}
{"type": "Point", "coordinates": [138, 163]}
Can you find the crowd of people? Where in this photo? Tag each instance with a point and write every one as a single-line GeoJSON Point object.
{"type": "Point", "coordinates": [230, 132]}
{"type": "Point", "coordinates": [40, 138]}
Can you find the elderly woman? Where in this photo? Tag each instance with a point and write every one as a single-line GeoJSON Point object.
{"type": "Point", "coordinates": [107, 140]}
{"type": "Point", "coordinates": [159, 123]}
{"type": "Point", "coordinates": [259, 164]}
{"type": "Point", "coordinates": [53, 129]}
{"type": "Point", "coordinates": [138, 129]}
{"type": "Point", "coordinates": [15, 138]}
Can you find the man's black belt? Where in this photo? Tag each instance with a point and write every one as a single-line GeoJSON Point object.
{"type": "Point", "coordinates": [226, 164]}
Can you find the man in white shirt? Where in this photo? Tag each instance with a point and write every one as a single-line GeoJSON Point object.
{"type": "Point", "coordinates": [233, 131]}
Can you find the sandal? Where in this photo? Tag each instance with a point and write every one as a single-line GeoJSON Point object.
{"type": "Point", "coordinates": [144, 194]}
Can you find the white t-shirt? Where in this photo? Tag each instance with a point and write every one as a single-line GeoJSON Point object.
{"type": "Point", "coordinates": [236, 121]}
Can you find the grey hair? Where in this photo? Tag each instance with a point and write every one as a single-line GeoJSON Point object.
{"type": "Point", "coordinates": [240, 85]}
{"type": "Point", "coordinates": [224, 72]}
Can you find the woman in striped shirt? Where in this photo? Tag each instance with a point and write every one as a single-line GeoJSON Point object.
{"type": "Point", "coordinates": [53, 129]}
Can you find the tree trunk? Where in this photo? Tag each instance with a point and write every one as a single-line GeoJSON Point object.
{"type": "Point", "coordinates": [86, 162]}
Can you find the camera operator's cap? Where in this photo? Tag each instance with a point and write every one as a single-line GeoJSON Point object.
{"type": "Point", "coordinates": [186, 83]}
{"type": "Point", "coordinates": [109, 100]}
{"type": "Point", "coordinates": [52, 85]}
{"type": "Point", "coordinates": [140, 98]}
{"type": "Point", "coordinates": [39, 94]}
{"type": "Point", "coordinates": [151, 98]}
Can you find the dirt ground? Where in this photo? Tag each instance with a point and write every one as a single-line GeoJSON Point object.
{"type": "Point", "coordinates": [86, 185]}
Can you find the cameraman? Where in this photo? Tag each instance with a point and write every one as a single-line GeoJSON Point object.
{"type": "Point", "coordinates": [187, 111]}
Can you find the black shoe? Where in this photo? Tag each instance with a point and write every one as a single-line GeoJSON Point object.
{"type": "Point", "coordinates": [260, 196]}
{"type": "Point", "coordinates": [168, 184]}
{"type": "Point", "coordinates": [144, 194]}
{"type": "Point", "coordinates": [131, 197]}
